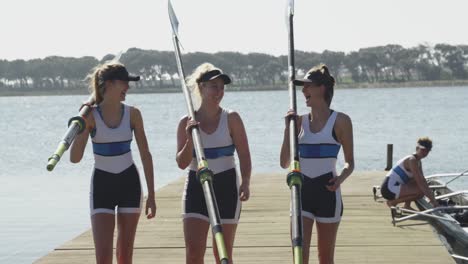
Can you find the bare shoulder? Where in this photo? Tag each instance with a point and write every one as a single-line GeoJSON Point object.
{"type": "Point", "coordinates": [183, 119]}
{"type": "Point", "coordinates": [135, 116]}
{"type": "Point", "coordinates": [412, 160]}
{"type": "Point", "coordinates": [233, 116]}
{"type": "Point", "coordinates": [134, 111]}
{"type": "Point", "coordinates": [89, 119]}
{"type": "Point", "coordinates": [343, 118]}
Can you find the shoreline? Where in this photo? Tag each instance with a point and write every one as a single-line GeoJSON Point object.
{"type": "Point", "coordinates": [82, 91]}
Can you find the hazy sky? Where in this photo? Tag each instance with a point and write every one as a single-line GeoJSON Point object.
{"type": "Point", "coordinates": [36, 29]}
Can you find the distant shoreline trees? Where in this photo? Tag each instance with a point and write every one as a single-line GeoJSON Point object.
{"type": "Point", "coordinates": [382, 64]}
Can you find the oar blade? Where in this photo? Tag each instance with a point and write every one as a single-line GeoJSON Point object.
{"type": "Point", "coordinates": [289, 11]}
{"type": "Point", "coordinates": [291, 8]}
{"type": "Point", "coordinates": [173, 18]}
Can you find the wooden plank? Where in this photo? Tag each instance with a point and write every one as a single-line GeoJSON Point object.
{"type": "Point", "coordinates": [366, 234]}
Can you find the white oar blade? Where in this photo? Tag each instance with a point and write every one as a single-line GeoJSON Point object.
{"type": "Point", "coordinates": [289, 11]}
{"type": "Point", "coordinates": [173, 18]}
{"type": "Point", "coordinates": [291, 7]}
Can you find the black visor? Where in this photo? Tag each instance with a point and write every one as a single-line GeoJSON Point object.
{"type": "Point", "coordinates": [213, 74]}
{"type": "Point", "coordinates": [309, 77]}
{"type": "Point", "coordinates": [121, 74]}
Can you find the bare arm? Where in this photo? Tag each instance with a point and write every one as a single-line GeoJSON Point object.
{"type": "Point", "coordinates": [136, 121]}
{"type": "Point", "coordinates": [420, 180]}
{"type": "Point", "coordinates": [239, 137]}
{"type": "Point", "coordinates": [79, 144]}
{"type": "Point", "coordinates": [184, 143]}
{"type": "Point", "coordinates": [344, 134]}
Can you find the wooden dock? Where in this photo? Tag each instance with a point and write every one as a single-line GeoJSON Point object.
{"type": "Point", "coordinates": [366, 234]}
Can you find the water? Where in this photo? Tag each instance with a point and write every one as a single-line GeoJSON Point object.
{"type": "Point", "coordinates": [41, 209]}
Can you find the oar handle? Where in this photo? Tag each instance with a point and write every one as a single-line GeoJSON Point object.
{"type": "Point", "coordinates": [76, 125]}
{"type": "Point", "coordinates": [54, 159]}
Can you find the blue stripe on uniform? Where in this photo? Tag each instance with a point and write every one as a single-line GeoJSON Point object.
{"type": "Point", "coordinates": [112, 148]}
{"type": "Point", "coordinates": [316, 151]}
{"type": "Point", "coordinates": [403, 176]}
{"type": "Point", "coordinates": [214, 153]}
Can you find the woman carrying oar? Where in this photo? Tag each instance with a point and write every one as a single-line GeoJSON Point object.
{"type": "Point", "coordinates": [115, 184]}
{"type": "Point", "coordinates": [222, 133]}
{"type": "Point", "coordinates": [321, 134]}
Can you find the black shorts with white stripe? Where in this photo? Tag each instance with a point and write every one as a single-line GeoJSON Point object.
{"type": "Point", "coordinates": [121, 190]}
{"type": "Point", "coordinates": [318, 202]}
{"type": "Point", "coordinates": [226, 192]}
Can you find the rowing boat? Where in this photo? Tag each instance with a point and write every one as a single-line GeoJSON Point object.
{"type": "Point", "coordinates": [450, 219]}
{"type": "Point", "coordinates": [453, 232]}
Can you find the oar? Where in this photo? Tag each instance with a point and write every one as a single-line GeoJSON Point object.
{"type": "Point", "coordinates": [76, 125]}
{"type": "Point", "coordinates": [204, 174]}
{"type": "Point", "coordinates": [426, 213]}
{"type": "Point", "coordinates": [294, 177]}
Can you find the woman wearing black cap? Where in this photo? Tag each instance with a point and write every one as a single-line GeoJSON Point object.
{"type": "Point", "coordinates": [321, 133]}
{"type": "Point", "coordinates": [115, 184]}
{"type": "Point", "coordinates": [222, 133]}
{"type": "Point", "coordinates": [405, 182]}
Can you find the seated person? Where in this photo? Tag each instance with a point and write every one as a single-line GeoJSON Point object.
{"type": "Point", "coordinates": [405, 182]}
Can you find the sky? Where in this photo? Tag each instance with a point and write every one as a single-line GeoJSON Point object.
{"type": "Point", "coordinates": [37, 29]}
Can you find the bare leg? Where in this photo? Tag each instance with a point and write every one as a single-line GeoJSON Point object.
{"type": "Point", "coordinates": [409, 192]}
{"type": "Point", "coordinates": [408, 206]}
{"type": "Point", "coordinates": [103, 234]}
{"type": "Point", "coordinates": [307, 225]}
{"type": "Point", "coordinates": [127, 225]}
{"type": "Point", "coordinates": [229, 233]}
{"type": "Point", "coordinates": [195, 233]}
{"type": "Point", "coordinates": [405, 199]}
{"type": "Point", "coordinates": [326, 235]}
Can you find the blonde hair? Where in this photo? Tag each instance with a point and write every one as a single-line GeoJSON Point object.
{"type": "Point", "coordinates": [193, 81]}
{"type": "Point", "coordinates": [96, 82]}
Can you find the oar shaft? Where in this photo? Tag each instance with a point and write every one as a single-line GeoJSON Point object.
{"type": "Point", "coordinates": [216, 226]}
{"type": "Point", "coordinates": [63, 146]}
{"type": "Point", "coordinates": [75, 126]}
{"type": "Point", "coordinates": [292, 89]}
{"type": "Point", "coordinates": [461, 174]}
{"type": "Point", "coordinates": [204, 174]}
{"type": "Point", "coordinates": [188, 100]}
{"type": "Point", "coordinates": [296, 228]}
{"type": "Point", "coordinates": [294, 178]}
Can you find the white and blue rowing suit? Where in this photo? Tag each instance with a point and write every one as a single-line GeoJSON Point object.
{"type": "Point", "coordinates": [115, 184]}
{"type": "Point", "coordinates": [318, 153]}
{"type": "Point", "coordinates": [219, 151]}
{"type": "Point", "coordinates": [396, 177]}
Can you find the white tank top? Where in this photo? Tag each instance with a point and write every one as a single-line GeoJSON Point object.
{"type": "Point", "coordinates": [218, 146]}
{"type": "Point", "coordinates": [111, 146]}
{"type": "Point", "coordinates": [399, 173]}
{"type": "Point", "coordinates": [318, 151]}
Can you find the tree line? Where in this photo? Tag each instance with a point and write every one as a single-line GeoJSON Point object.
{"type": "Point", "coordinates": [390, 63]}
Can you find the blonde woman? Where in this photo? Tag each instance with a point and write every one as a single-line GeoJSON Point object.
{"type": "Point", "coordinates": [321, 134]}
{"type": "Point", "coordinates": [115, 184]}
{"type": "Point", "coordinates": [222, 134]}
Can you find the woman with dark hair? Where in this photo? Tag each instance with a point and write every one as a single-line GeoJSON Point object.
{"type": "Point", "coordinates": [405, 182]}
{"type": "Point", "coordinates": [321, 133]}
